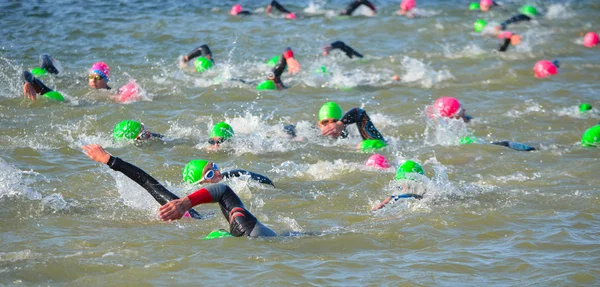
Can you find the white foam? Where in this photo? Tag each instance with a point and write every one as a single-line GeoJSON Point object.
{"type": "Point", "coordinates": [13, 184]}
{"type": "Point", "coordinates": [559, 11]}
{"type": "Point", "coordinates": [419, 72]}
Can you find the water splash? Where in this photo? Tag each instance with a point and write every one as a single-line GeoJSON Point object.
{"type": "Point", "coordinates": [417, 71]}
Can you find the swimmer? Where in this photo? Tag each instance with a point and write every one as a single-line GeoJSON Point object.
{"type": "Point", "coordinates": [237, 10]}
{"type": "Point", "coordinates": [509, 144]}
{"type": "Point", "coordinates": [447, 107]}
{"type": "Point", "coordinates": [204, 58]}
{"type": "Point", "coordinates": [274, 3]}
{"type": "Point", "coordinates": [406, 172]}
{"type": "Point", "coordinates": [405, 8]}
{"type": "Point", "coordinates": [241, 221]}
{"type": "Point", "coordinates": [354, 5]}
{"type": "Point", "coordinates": [133, 130]}
{"type": "Point", "coordinates": [201, 171]}
{"type": "Point", "coordinates": [273, 81]}
{"type": "Point", "coordinates": [591, 137]}
{"type": "Point", "coordinates": [527, 13]}
{"type": "Point", "coordinates": [32, 87]}
{"type": "Point", "coordinates": [47, 66]}
{"type": "Point", "coordinates": [342, 46]}
{"type": "Point", "coordinates": [333, 124]}
{"type": "Point", "coordinates": [219, 133]}
{"type": "Point", "coordinates": [486, 5]}
{"type": "Point", "coordinates": [99, 77]}
{"type": "Point", "coordinates": [508, 39]}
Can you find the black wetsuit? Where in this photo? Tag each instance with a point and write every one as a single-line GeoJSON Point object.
{"type": "Point", "coordinates": [278, 71]}
{"type": "Point", "coordinates": [504, 45]}
{"type": "Point", "coordinates": [200, 51]}
{"type": "Point", "coordinates": [366, 128]}
{"type": "Point", "coordinates": [347, 49]}
{"type": "Point", "coordinates": [354, 5]}
{"type": "Point", "coordinates": [254, 176]}
{"type": "Point", "coordinates": [406, 195]}
{"type": "Point", "coordinates": [157, 190]}
{"type": "Point", "coordinates": [40, 88]}
{"type": "Point", "coordinates": [278, 6]}
{"type": "Point", "coordinates": [46, 64]}
{"type": "Point", "coordinates": [515, 19]}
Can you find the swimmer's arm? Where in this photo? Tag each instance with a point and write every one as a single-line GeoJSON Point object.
{"type": "Point", "coordinates": [277, 6]}
{"type": "Point", "coordinates": [254, 176]}
{"type": "Point", "coordinates": [48, 65]}
{"type": "Point", "coordinates": [342, 46]}
{"type": "Point", "coordinates": [382, 204]}
{"type": "Point", "coordinates": [34, 84]}
{"type": "Point", "coordinates": [197, 52]}
{"type": "Point", "coordinates": [515, 19]}
{"type": "Point", "coordinates": [352, 6]}
{"type": "Point", "coordinates": [363, 122]}
{"type": "Point", "coordinates": [504, 45]}
{"type": "Point", "coordinates": [290, 130]}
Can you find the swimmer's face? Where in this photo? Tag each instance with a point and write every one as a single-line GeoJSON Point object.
{"type": "Point", "coordinates": [485, 8]}
{"type": "Point", "coordinates": [216, 176]}
{"type": "Point", "coordinates": [97, 82]}
{"type": "Point", "coordinates": [214, 142]}
{"type": "Point", "coordinates": [326, 122]}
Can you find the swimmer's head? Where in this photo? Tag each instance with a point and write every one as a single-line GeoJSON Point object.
{"type": "Point", "coordinates": [529, 11]}
{"type": "Point", "coordinates": [407, 168]}
{"type": "Point", "coordinates": [99, 76]}
{"type": "Point", "coordinates": [544, 68]}
{"type": "Point", "coordinates": [407, 5]}
{"type": "Point", "coordinates": [377, 161]}
{"type": "Point", "coordinates": [220, 133]}
{"type": "Point", "coordinates": [201, 171]}
{"type": "Point", "coordinates": [591, 137]}
{"type": "Point", "coordinates": [474, 6]}
{"type": "Point", "coordinates": [585, 107]}
{"type": "Point", "coordinates": [130, 130]}
{"type": "Point", "coordinates": [330, 110]}
{"type": "Point", "coordinates": [590, 39]}
{"type": "Point", "coordinates": [236, 9]}
{"type": "Point", "coordinates": [202, 64]}
{"type": "Point", "coordinates": [486, 5]}
{"type": "Point", "coordinates": [479, 25]}
{"type": "Point", "coordinates": [448, 107]}
{"type": "Point", "coordinates": [371, 145]}
{"type": "Point", "coordinates": [269, 84]}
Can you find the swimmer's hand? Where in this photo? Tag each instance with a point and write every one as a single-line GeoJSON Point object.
{"type": "Point", "coordinates": [96, 153]}
{"type": "Point", "coordinates": [174, 209]}
{"type": "Point", "coordinates": [382, 204]}
{"type": "Point", "coordinates": [183, 61]}
{"type": "Point", "coordinates": [293, 66]}
{"type": "Point", "coordinates": [29, 91]}
{"type": "Point", "coordinates": [269, 8]}
{"type": "Point", "coordinates": [333, 129]}
{"type": "Point", "coordinates": [326, 50]}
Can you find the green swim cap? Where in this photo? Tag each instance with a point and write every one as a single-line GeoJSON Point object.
{"type": "Point", "coordinates": [467, 140]}
{"type": "Point", "coordinates": [222, 130]}
{"type": "Point", "coordinates": [474, 6]}
{"type": "Point", "coordinates": [217, 234]}
{"type": "Point", "coordinates": [585, 107]}
{"type": "Point", "coordinates": [39, 72]}
{"type": "Point", "coordinates": [408, 167]}
{"type": "Point", "coordinates": [529, 10]}
{"type": "Point", "coordinates": [591, 137]}
{"type": "Point", "coordinates": [127, 129]}
{"type": "Point", "coordinates": [323, 69]}
{"type": "Point", "coordinates": [372, 145]}
{"type": "Point", "coordinates": [330, 110]}
{"type": "Point", "coordinates": [192, 172]}
{"type": "Point", "coordinates": [54, 96]}
{"type": "Point", "coordinates": [479, 25]}
{"type": "Point", "coordinates": [202, 64]}
{"type": "Point", "coordinates": [273, 61]}
{"type": "Point", "coordinates": [266, 85]}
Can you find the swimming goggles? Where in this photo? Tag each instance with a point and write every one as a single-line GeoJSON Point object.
{"type": "Point", "coordinates": [95, 77]}
{"type": "Point", "coordinates": [144, 134]}
{"type": "Point", "coordinates": [213, 141]}
{"type": "Point", "coordinates": [328, 121]}
{"type": "Point", "coordinates": [211, 173]}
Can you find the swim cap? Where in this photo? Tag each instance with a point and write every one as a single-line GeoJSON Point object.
{"type": "Point", "coordinates": [101, 69]}
{"type": "Point", "coordinates": [290, 16]}
{"type": "Point", "coordinates": [591, 137]}
{"type": "Point", "coordinates": [236, 9]}
{"type": "Point", "coordinates": [371, 145]}
{"type": "Point", "coordinates": [486, 3]}
{"type": "Point", "coordinates": [39, 72]}
{"type": "Point", "coordinates": [323, 69]}
{"type": "Point", "coordinates": [407, 5]}
{"type": "Point", "coordinates": [221, 130]}
{"type": "Point", "coordinates": [585, 107]}
{"type": "Point", "coordinates": [330, 110]}
{"type": "Point", "coordinates": [447, 106]}
{"type": "Point", "coordinates": [192, 172]}
{"type": "Point", "coordinates": [127, 129]}
{"type": "Point", "coordinates": [544, 68]}
{"type": "Point", "coordinates": [474, 6]}
{"type": "Point", "coordinates": [267, 85]}
{"type": "Point", "coordinates": [504, 35]}
{"type": "Point", "coordinates": [202, 64]}
{"type": "Point", "coordinates": [408, 166]}
{"type": "Point", "coordinates": [467, 140]}
{"type": "Point", "coordinates": [217, 234]}
{"type": "Point", "coordinates": [54, 96]}
{"type": "Point", "coordinates": [479, 25]}
{"type": "Point", "coordinates": [378, 161]}
{"type": "Point", "coordinates": [273, 61]}
{"type": "Point", "coordinates": [590, 39]}
{"type": "Point", "coordinates": [288, 53]}
{"type": "Point", "coordinates": [529, 10]}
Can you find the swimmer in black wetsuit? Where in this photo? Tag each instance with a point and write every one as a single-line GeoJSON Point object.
{"type": "Point", "coordinates": [354, 5]}
{"type": "Point", "coordinates": [202, 171]}
{"type": "Point", "coordinates": [241, 221]}
{"type": "Point", "coordinates": [286, 60]}
{"type": "Point", "coordinates": [513, 20]}
{"type": "Point", "coordinates": [342, 46]}
{"type": "Point", "coordinates": [203, 50]}
{"type": "Point", "coordinates": [237, 10]}
{"type": "Point", "coordinates": [508, 39]}
{"type": "Point", "coordinates": [274, 3]}
{"type": "Point", "coordinates": [33, 86]}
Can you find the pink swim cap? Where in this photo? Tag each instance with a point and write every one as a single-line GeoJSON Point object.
{"type": "Point", "coordinates": [377, 161]}
{"type": "Point", "coordinates": [407, 5]}
{"type": "Point", "coordinates": [505, 35]}
{"type": "Point", "coordinates": [487, 3]}
{"type": "Point", "coordinates": [236, 9]}
{"type": "Point", "coordinates": [590, 39]}
{"type": "Point", "coordinates": [291, 16]}
{"type": "Point", "coordinates": [544, 68]}
{"type": "Point", "coordinates": [102, 69]}
{"type": "Point", "coordinates": [447, 106]}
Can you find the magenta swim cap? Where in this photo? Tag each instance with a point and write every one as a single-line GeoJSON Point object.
{"type": "Point", "coordinates": [407, 5]}
{"type": "Point", "coordinates": [447, 107]}
{"type": "Point", "coordinates": [544, 68]}
{"type": "Point", "coordinates": [377, 161]}
{"type": "Point", "coordinates": [236, 9]}
{"type": "Point", "coordinates": [487, 3]}
{"type": "Point", "coordinates": [290, 16]}
{"type": "Point", "coordinates": [590, 39]}
{"type": "Point", "coordinates": [101, 69]}
{"type": "Point", "coordinates": [505, 35]}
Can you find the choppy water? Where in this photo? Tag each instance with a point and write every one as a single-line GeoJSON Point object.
{"type": "Point", "coordinates": [492, 216]}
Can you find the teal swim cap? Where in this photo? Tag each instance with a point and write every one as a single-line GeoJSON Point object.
{"type": "Point", "coordinates": [371, 145]}
{"type": "Point", "coordinates": [222, 130]}
{"type": "Point", "coordinates": [192, 172]}
{"type": "Point", "coordinates": [54, 95]}
{"type": "Point", "coordinates": [330, 110]}
{"type": "Point", "coordinates": [479, 25]}
{"type": "Point", "coordinates": [39, 72]}
{"type": "Point", "coordinates": [591, 137]}
{"type": "Point", "coordinates": [529, 10]}
{"type": "Point", "coordinates": [266, 85]}
{"type": "Point", "coordinates": [217, 234]}
{"type": "Point", "coordinates": [202, 64]}
{"type": "Point", "coordinates": [474, 6]}
{"type": "Point", "coordinates": [585, 107]}
{"type": "Point", "coordinates": [127, 129]}
{"type": "Point", "coordinates": [273, 61]}
{"type": "Point", "coordinates": [407, 168]}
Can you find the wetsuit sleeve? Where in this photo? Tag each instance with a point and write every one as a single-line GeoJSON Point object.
{"type": "Point", "coordinates": [504, 46]}
{"type": "Point", "coordinates": [347, 49]}
{"type": "Point", "coordinates": [47, 64]}
{"type": "Point", "coordinates": [290, 130]}
{"type": "Point", "coordinates": [40, 88]}
{"type": "Point", "coordinates": [254, 176]}
{"type": "Point", "coordinates": [199, 51]}
{"type": "Point", "coordinates": [278, 70]}
{"type": "Point", "coordinates": [155, 135]}
{"type": "Point", "coordinates": [363, 122]}
{"type": "Point", "coordinates": [350, 9]}
{"type": "Point", "coordinates": [157, 190]}
{"type": "Point", "coordinates": [406, 195]}
{"type": "Point", "coordinates": [515, 19]}
{"type": "Point", "coordinates": [278, 6]}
